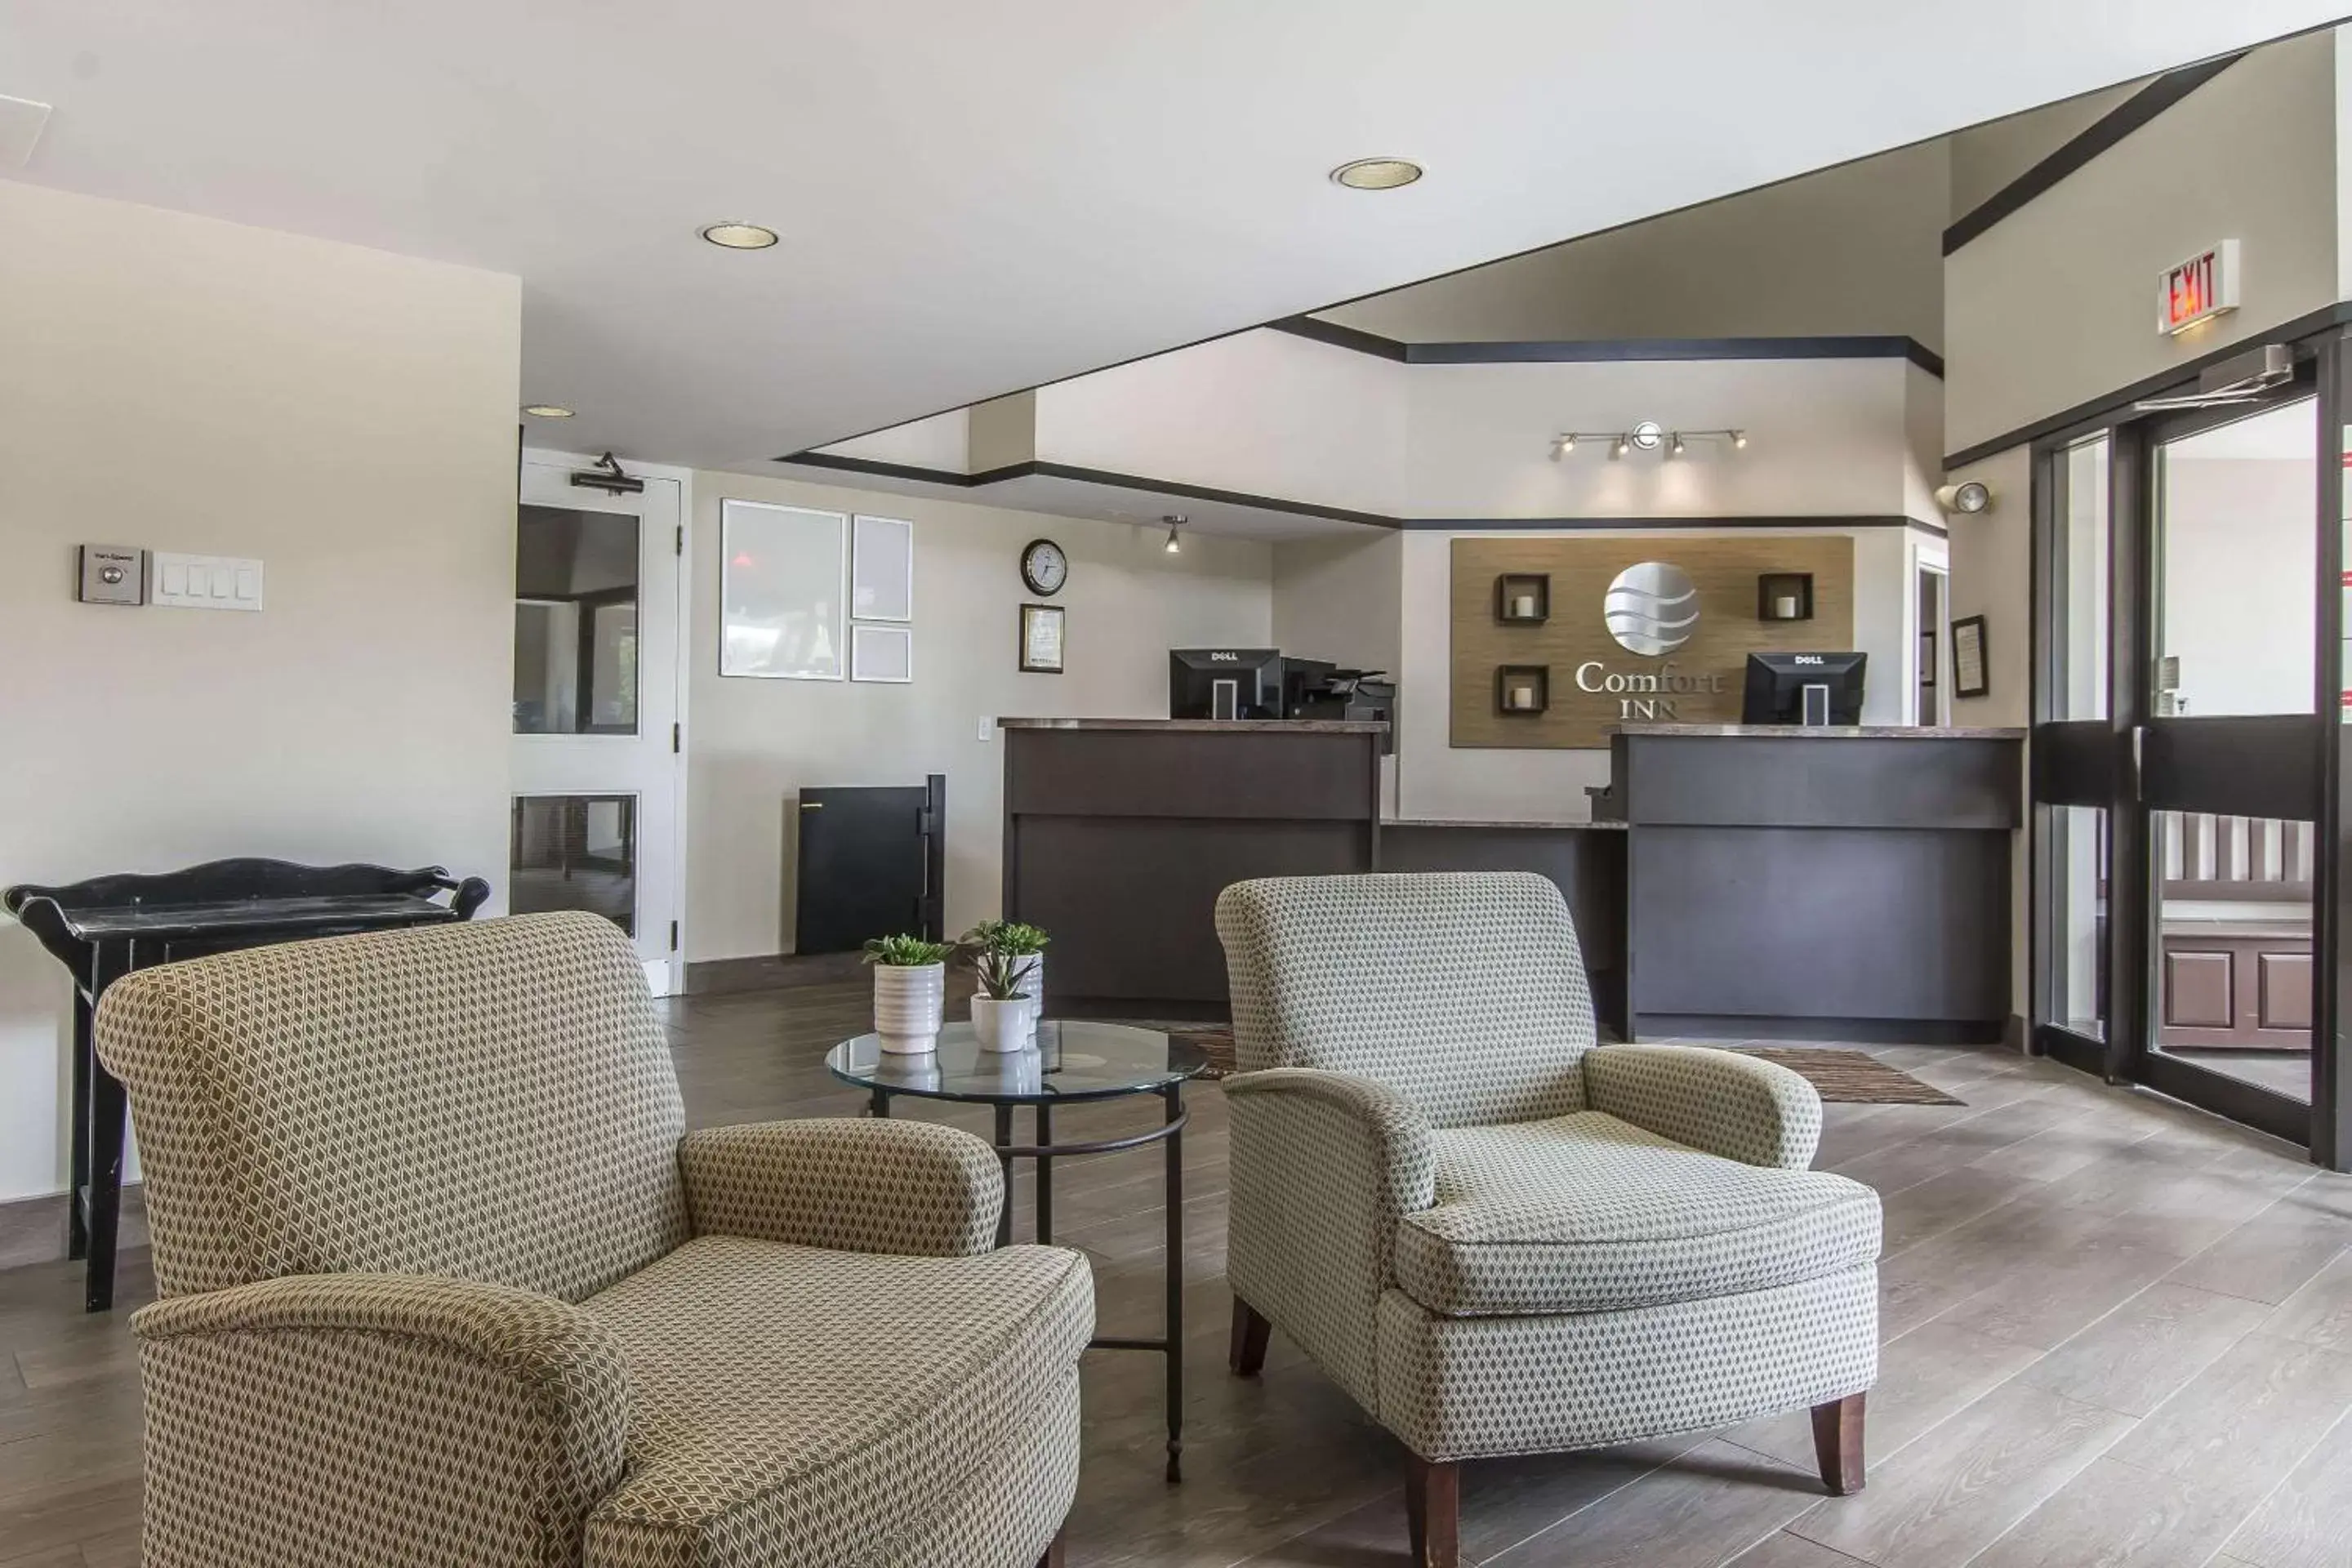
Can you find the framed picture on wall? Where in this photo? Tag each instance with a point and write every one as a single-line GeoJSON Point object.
{"type": "Point", "coordinates": [882, 653]}
{"type": "Point", "coordinates": [782, 591]}
{"type": "Point", "coordinates": [1040, 639]}
{"type": "Point", "coordinates": [1969, 677]}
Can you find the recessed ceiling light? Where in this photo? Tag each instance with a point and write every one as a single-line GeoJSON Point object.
{"type": "Point", "coordinates": [547, 411]}
{"type": "Point", "coordinates": [740, 235]}
{"type": "Point", "coordinates": [1376, 173]}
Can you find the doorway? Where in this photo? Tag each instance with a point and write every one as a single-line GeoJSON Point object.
{"type": "Point", "coordinates": [597, 722]}
{"type": "Point", "coordinates": [2184, 692]}
{"type": "Point", "coordinates": [1932, 697]}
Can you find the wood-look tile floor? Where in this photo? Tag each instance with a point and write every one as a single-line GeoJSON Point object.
{"type": "Point", "coordinates": [2118, 1333]}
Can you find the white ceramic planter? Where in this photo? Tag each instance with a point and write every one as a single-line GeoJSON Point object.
{"type": "Point", "coordinates": [1033, 981]}
{"type": "Point", "coordinates": [908, 1001]}
{"type": "Point", "coordinates": [1001, 1025]}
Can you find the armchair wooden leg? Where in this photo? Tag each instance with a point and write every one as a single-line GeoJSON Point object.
{"type": "Point", "coordinates": [1247, 1354]}
{"type": "Point", "coordinates": [1837, 1443]}
{"type": "Point", "coordinates": [1433, 1507]}
{"type": "Point", "coordinates": [1053, 1557]}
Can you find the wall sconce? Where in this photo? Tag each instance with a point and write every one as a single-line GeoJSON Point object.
{"type": "Point", "coordinates": [1648, 435]}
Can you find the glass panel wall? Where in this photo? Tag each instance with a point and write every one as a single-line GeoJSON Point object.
{"type": "Point", "coordinates": [576, 664]}
{"type": "Point", "coordinates": [575, 852]}
{"type": "Point", "coordinates": [2233, 907]}
{"type": "Point", "coordinates": [2081, 567]}
{"type": "Point", "coordinates": [2237, 592]}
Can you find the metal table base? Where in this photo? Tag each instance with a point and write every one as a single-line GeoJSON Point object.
{"type": "Point", "coordinates": [1169, 1134]}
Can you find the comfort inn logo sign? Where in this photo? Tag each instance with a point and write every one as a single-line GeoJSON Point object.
{"type": "Point", "coordinates": [1558, 637]}
{"type": "Point", "coordinates": [1650, 609]}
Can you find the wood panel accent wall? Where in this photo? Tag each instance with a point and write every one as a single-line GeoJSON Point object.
{"type": "Point", "coordinates": [1724, 569]}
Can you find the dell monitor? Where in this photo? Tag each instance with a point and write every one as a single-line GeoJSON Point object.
{"type": "Point", "coordinates": [1225, 683]}
{"type": "Point", "coordinates": [1803, 689]}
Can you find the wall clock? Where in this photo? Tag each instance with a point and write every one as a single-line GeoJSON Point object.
{"type": "Point", "coordinates": [1044, 566]}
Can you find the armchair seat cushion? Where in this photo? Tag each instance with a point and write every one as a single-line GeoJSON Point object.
{"type": "Point", "coordinates": [796, 1406]}
{"type": "Point", "coordinates": [1586, 1212]}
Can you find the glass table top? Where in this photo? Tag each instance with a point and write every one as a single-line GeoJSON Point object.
{"type": "Point", "coordinates": [1073, 1059]}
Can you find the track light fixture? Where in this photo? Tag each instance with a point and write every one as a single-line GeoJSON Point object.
{"type": "Point", "coordinates": [1648, 435]}
{"type": "Point", "coordinates": [1175, 545]}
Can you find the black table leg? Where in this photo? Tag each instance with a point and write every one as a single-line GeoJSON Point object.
{"type": "Point", "coordinates": [1045, 1176]}
{"type": "Point", "coordinates": [85, 1055]}
{"type": "Point", "coordinates": [110, 1116]}
{"type": "Point", "coordinates": [1003, 1142]}
{"type": "Point", "coordinates": [1175, 1265]}
{"type": "Point", "coordinates": [110, 1124]}
{"type": "Point", "coordinates": [878, 1104]}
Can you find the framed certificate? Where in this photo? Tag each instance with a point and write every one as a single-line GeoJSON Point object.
{"type": "Point", "coordinates": [1040, 639]}
{"type": "Point", "coordinates": [1969, 677]}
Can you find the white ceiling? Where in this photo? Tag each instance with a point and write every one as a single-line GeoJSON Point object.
{"type": "Point", "coordinates": [980, 197]}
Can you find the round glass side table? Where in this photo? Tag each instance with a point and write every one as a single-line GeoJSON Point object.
{"type": "Point", "coordinates": [1073, 1062]}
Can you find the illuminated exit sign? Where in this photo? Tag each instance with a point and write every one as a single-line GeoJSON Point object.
{"type": "Point", "coordinates": [2199, 289]}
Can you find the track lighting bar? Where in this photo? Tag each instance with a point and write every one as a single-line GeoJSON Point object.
{"type": "Point", "coordinates": [1648, 435]}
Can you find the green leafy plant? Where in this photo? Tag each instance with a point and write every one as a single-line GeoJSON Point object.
{"type": "Point", "coordinates": [1006, 936]}
{"type": "Point", "coordinates": [908, 952]}
{"type": "Point", "coordinates": [1004, 976]}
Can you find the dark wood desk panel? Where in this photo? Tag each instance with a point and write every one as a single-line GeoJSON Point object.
{"type": "Point", "coordinates": [1795, 780]}
{"type": "Point", "coordinates": [1119, 835]}
{"type": "Point", "coordinates": [1258, 773]}
{"type": "Point", "coordinates": [1819, 924]}
{"type": "Point", "coordinates": [1132, 902]}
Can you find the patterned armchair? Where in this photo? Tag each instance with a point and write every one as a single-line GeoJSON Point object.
{"type": "Point", "coordinates": [1499, 1236]}
{"type": "Point", "coordinates": [444, 1283]}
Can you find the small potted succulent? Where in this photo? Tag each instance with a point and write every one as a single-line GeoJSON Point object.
{"type": "Point", "coordinates": [1025, 944]}
{"type": "Point", "coordinates": [1003, 1013]}
{"type": "Point", "coordinates": [909, 991]}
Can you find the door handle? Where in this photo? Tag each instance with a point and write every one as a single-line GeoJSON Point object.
{"type": "Point", "coordinates": [2139, 744]}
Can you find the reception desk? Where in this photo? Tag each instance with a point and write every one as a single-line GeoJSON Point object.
{"type": "Point", "coordinates": [1120, 833]}
{"type": "Point", "coordinates": [1827, 884]}
{"type": "Point", "coordinates": [1838, 883]}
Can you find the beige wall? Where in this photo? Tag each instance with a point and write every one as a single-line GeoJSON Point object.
{"type": "Point", "coordinates": [1854, 249]}
{"type": "Point", "coordinates": [752, 744]}
{"type": "Point", "coordinates": [1988, 156]}
{"type": "Point", "coordinates": [2056, 304]}
{"type": "Point", "coordinates": [346, 416]}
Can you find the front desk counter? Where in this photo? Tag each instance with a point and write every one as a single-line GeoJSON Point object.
{"type": "Point", "coordinates": [1845, 883]}
{"type": "Point", "coordinates": [1826, 884]}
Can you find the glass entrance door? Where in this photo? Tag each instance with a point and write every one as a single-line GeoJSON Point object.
{"type": "Point", "coordinates": [2178, 776]}
{"type": "Point", "coordinates": [2230, 760]}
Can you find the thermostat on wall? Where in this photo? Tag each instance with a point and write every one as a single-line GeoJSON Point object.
{"type": "Point", "coordinates": [113, 574]}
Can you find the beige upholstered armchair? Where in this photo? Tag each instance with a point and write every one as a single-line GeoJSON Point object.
{"type": "Point", "coordinates": [1497, 1236]}
{"type": "Point", "coordinates": [444, 1283]}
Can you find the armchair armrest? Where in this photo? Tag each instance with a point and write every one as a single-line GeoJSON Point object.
{"type": "Point", "coordinates": [845, 1183]}
{"type": "Point", "coordinates": [1744, 1108]}
{"type": "Point", "coordinates": [1323, 1165]}
{"type": "Point", "coordinates": [378, 1418]}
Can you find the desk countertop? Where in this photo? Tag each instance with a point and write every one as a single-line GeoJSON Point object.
{"type": "Point", "coordinates": [1214, 726]}
{"type": "Point", "coordinates": [1824, 732]}
{"type": "Point", "coordinates": [1505, 827]}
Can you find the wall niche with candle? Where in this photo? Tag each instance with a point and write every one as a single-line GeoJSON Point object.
{"type": "Point", "coordinates": [1522, 691]}
{"type": "Point", "coordinates": [1523, 598]}
{"type": "Point", "coordinates": [1784, 596]}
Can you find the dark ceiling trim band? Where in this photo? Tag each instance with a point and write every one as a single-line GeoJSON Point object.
{"type": "Point", "coordinates": [1330, 513]}
{"type": "Point", "coordinates": [2167, 380]}
{"type": "Point", "coordinates": [2102, 133]}
{"type": "Point", "coordinates": [1612, 351]}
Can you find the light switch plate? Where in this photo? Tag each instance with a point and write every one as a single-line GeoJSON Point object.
{"type": "Point", "coordinates": [113, 574]}
{"type": "Point", "coordinates": [205, 581]}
